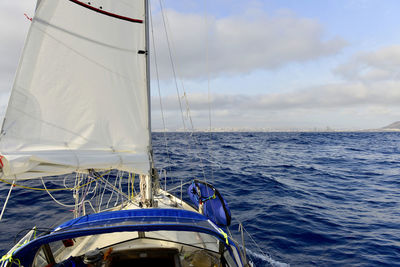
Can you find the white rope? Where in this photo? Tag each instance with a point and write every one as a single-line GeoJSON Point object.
{"type": "Point", "coordinates": [112, 193]}
{"type": "Point", "coordinates": [104, 190]}
{"type": "Point", "coordinates": [120, 176]}
{"type": "Point", "coordinates": [76, 195]}
{"type": "Point", "coordinates": [133, 184]}
{"type": "Point", "coordinates": [90, 204]}
{"type": "Point", "coordinates": [58, 202]}
{"type": "Point", "coordinates": [118, 189]}
{"type": "Point", "coordinates": [96, 191]}
{"type": "Point", "coordinates": [129, 185]}
{"type": "Point", "coordinates": [8, 197]}
{"type": "Point", "coordinates": [86, 191]}
{"type": "Point", "coordinates": [165, 179]}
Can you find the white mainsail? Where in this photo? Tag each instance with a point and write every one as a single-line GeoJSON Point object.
{"type": "Point", "coordinates": [80, 98]}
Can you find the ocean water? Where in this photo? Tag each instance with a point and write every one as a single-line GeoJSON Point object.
{"type": "Point", "coordinates": [306, 199]}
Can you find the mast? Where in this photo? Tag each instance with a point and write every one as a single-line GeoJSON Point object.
{"type": "Point", "coordinates": [146, 181]}
{"type": "Point", "coordinates": [147, 54]}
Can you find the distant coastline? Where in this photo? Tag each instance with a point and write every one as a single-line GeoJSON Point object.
{"type": "Point", "coordinates": [394, 127]}
{"type": "Point", "coordinates": [230, 130]}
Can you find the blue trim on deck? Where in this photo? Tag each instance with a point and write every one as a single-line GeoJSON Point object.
{"type": "Point", "coordinates": [137, 215]}
{"type": "Point", "coordinates": [144, 220]}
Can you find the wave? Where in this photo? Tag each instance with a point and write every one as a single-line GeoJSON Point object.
{"type": "Point", "coordinates": [267, 259]}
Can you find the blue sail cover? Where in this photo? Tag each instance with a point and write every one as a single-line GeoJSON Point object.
{"type": "Point", "coordinates": [215, 206]}
{"type": "Point", "coordinates": [145, 220]}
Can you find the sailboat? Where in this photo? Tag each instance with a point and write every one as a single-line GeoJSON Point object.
{"type": "Point", "coordinates": [80, 105]}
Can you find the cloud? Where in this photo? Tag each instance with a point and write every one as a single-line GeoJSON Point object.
{"type": "Point", "coordinates": [320, 97]}
{"type": "Point", "coordinates": [243, 44]}
{"type": "Point", "coordinates": [380, 65]}
{"type": "Point", "coordinates": [236, 44]}
{"type": "Point", "coordinates": [351, 105]}
{"type": "Point", "coordinates": [240, 44]}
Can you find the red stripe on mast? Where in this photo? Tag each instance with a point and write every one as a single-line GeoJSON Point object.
{"type": "Point", "coordinates": [106, 13]}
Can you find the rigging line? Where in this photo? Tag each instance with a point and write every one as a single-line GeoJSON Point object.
{"type": "Point", "coordinates": [58, 202]}
{"type": "Point", "coordinates": [158, 86]}
{"type": "Point", "coordinates": [133, 189]}
{"type": "Point", "coordinates": [170, 48]}
{"type": "Point", "coordinates": [97, 193]}
{"type": "Point", "coordinates": [54, 189]}
{"type": "Point", "coordinates": [8, 197]}
{"type": "Point", "coordinates": [133, 186]}
{"type": "Point", "coordinates": [104, 190]}
{"type": "Point", "coordinates": [195, 140]}
{"type": "Point", "coordinates": [77, 210]}
{"type": "Point", "coordinates": [177, 187]}
{"type": "Point", "coordinates": [27, 230]}
{"type": "Point", "coordinates": [174, 70]}
{"type": "Point", "coordinates": [207, 64]}
{"type": "Point", "coordinates": [172, 61]}
{"type": "Point", "coordinates": [81, 209]}
{"type": "Point", "coordinates": [208, 86]}
{"type": "Point", "coordinates": [254, 241]}
{"type": "Point", "coordinates": [86, 191]}
{"type": "Point", "coordinates": [117, 191]}
{"type": "Point", "coordinates": [120, 176]}
{"type": "Point", "coordinates": [90, 204]}
{"type": "Point", "coordinates": [111, 195]}
{"type": "Point", "coordinates": [113, 190]}
{"type": "Point", "coordinates": [64, 181]}
{"type": "Point", "coordinates": [129, 185]}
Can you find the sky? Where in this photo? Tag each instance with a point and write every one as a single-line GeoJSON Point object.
{"type": "Point", "coordinates": [259, 64]}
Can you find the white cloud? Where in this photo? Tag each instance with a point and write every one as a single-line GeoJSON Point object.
{"type": "Point", "coordinates": [351, 105]}
{"type": "Point", "coordinates": [383, 64]}
{"type": "Point", "coordinates": [241, 44]}
{"type": "Point", "coordinates": [368, 97]}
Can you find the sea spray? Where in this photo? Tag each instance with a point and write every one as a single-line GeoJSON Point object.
{"type": "Point", "coordinates": [267, 258]}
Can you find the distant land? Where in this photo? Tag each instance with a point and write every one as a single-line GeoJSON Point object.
{"type": "Point", "coordinates": [394, 127]}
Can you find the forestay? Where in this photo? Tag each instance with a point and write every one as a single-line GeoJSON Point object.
{"type": "Point", "coordinates": [80, 97]}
